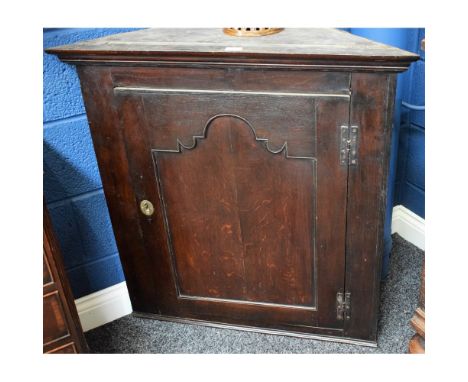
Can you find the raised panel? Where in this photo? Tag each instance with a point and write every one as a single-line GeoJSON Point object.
{"type": "Point", "coordinates": [240, 231]}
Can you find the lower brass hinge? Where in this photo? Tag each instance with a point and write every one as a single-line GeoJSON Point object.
{"type": "Point", "coordinates": [349, 145]}
{"type": "Point", "coordinates": [343, 306]}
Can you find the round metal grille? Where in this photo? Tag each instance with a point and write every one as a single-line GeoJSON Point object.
{"type": "Point", "coordinates": [251, 32]}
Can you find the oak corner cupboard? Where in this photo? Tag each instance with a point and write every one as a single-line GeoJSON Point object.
{"type": "Point", "coordinates": [246, 176]}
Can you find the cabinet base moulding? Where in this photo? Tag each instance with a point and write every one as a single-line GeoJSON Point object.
{"type": "Point", "coordinates": [246, 328]}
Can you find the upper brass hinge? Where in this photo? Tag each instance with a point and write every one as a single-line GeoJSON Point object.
{"type": "Point", "coordinates": [343, 306]}
{"type": "Point", "coordinates": [349, 145]}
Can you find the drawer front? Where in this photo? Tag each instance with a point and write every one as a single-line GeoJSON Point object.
{"type": "Point", "coordinates": [54, 320]}
{"type": "Point", "coordinates": [68, 348]}
{"type": "Point", "coordinates": [61, 327]}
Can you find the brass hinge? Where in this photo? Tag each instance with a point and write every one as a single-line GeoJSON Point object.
{"type": "Point", "coordinates": [343, 306]}
{"type": "Point", "coordinates": [349, 145]}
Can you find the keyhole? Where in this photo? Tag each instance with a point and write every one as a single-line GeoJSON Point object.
{"type": "Point", "coordinates": [146, 207]}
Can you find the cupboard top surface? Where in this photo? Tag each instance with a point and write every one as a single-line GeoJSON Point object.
{"type": "Point", "coordinates": [305, 43]}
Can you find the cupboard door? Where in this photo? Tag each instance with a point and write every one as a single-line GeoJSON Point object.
{"type": "Point", "coordinates": [249, 201]}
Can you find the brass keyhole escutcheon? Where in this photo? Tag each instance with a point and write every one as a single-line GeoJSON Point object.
{"type": "Point", "coordinates": [146, 207]}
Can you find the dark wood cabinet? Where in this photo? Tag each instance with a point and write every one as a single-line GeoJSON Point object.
{"type": "Point", "coordinates": [62, 331]}
{"type": "Point", "coordinates": [245, 177]}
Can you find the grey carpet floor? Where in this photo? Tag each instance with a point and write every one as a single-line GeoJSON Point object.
{"type": "Point", "coordinates": [399, 296]}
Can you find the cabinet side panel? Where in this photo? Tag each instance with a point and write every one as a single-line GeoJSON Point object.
{"type": "Point", "coordinates": [96, 85]}
{"type": "Point", "coordinates": [371, 110]}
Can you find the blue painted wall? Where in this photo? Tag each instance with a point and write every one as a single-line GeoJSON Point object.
{"type": "Point", "coordinates": [72, 185]}
{"type": "Point", "coordinates": [410, 176]}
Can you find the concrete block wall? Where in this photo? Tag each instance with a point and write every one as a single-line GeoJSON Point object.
{"type": "Point", "coordinates": [72, 184]}
{"type": "Point", "coordinates": [410, 178]}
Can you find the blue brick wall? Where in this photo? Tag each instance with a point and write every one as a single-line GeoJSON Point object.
{"type": "Point", "coordinates": [72, 185]}
{"type": "Point", "coordinates": [410, 177]}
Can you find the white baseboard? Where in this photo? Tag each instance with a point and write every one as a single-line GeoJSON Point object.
{"type": "Point", "coordinates": [112, 303]}
{"type": "Point", "coordinates": [409, 226]}
{"type": "Point", "coordinates": [104, 306]}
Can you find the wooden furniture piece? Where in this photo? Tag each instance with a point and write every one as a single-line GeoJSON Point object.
{"type": "Point", "coordinates": [245, 177]}
{"type": "Point", "coordinates": [418, 322]}
{"type": "Point", "coordinates": [62, 331]}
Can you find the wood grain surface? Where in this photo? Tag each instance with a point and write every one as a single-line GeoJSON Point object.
{"type": "Point", "coordinates": [308, 47]}
{"type": "Point", "coordinates": [236, 142]}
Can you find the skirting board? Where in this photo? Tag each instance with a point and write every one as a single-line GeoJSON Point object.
{"type": "Point", "coordinates": [409, 226]}
{"type": "Point", "coordinates": [109, 304]}
{"type": "Point", "coordinates": [99, 308]}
